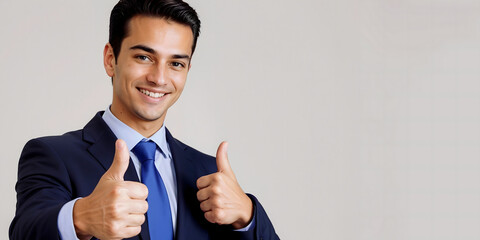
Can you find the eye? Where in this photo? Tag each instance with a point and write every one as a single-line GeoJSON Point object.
{"type": "Point", "coordinates": [178, 64]}
{"type": "Point", "coordinates": [143, 58]}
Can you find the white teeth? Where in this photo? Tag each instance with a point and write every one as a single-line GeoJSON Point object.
{"type": "Point", "coordinates": [152, 94]}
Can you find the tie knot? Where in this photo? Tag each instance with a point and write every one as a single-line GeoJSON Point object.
{"type": "Point", "coordinates": [145, 150]}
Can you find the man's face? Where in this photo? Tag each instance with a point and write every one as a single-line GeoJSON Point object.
{"type": "Point", "coordinates": [150, 71]}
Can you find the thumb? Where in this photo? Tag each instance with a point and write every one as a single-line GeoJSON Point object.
{"type": "Point", "coordinates": [223, 165]}
{"type": "Point", "coordinates": [120, 161]}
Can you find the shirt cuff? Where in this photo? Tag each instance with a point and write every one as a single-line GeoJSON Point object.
{"type": "Point", "coordinates": [249, 226]}
{"type": "Point", "coordinates": [65, 221]}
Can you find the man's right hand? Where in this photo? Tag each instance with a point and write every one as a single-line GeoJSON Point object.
{"type": "Point", "coordinates": [116, 208]}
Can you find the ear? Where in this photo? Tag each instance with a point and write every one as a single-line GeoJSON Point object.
{"type": "Point", "coordinates": [109, 60]}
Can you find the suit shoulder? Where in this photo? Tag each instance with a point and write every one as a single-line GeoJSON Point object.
{"type": "Point", "coordinates": [64, 137]}
{"type": "Point", "coordinates": [60, 142]}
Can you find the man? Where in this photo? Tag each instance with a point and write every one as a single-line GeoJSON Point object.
{"type": "Point", "coordinates": [85, 184]}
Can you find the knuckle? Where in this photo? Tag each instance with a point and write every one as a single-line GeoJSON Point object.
{"type": "Point", "coordinates": [217, 202]}
{"type": "Point", "coordinates": [216, 190]}
{"type": "Point", "coordinates": [116, 209]}
{"type": "Point", "coordinates": [217, 178]}
{"type": "Point", "coordinates": [218, 215]}
{"type": "Point", "coordinates": [113, 228]}
{"type": "Point", "coordinates": [118, 190]}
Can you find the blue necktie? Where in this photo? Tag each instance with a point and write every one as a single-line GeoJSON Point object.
{"type": "Point", "coordinates": [158, 214]}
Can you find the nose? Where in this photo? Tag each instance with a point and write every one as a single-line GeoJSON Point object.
{"type": "Point", "coordinates": [157, 75]}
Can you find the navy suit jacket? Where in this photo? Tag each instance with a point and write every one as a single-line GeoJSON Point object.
{"type": "Point", "coordinates": [54, 170]}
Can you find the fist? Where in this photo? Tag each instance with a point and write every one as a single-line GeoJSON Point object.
{"type": "Point", "coordinates": [116, 208]}
{"type": "Point", "coordinates": [221, 198]}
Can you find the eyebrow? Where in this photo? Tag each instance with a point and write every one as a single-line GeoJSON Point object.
{"type": "Point", "coordinates": [177, 56]}
{"type": "Point", "coordinates": [144, 48]}
{"type": "Point", "coordinates": [152, 51]}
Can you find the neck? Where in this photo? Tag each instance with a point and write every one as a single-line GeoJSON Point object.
{"type": "Point", "coordinates": [147, 129]}
{"type": "Point", "coordinates": [143, 126]}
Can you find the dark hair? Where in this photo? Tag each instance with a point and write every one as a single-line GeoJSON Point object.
{"type": "Point", "coordinates": [125, 10]}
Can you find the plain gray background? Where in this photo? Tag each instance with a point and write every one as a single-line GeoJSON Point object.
{"type": "Point", "coordinates": [347, 119]}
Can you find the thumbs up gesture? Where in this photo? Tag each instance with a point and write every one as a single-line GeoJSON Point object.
{"type": "Point", "coordinates": [116, 208]}
{"type": "Point", "coordinates": [221, 197]}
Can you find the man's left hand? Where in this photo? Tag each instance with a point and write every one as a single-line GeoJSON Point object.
{"type": "Point", "coordinates": [221, 197]}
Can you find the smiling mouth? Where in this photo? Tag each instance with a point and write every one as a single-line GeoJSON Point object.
{"type": "Point", "coordinates": [151, 94]}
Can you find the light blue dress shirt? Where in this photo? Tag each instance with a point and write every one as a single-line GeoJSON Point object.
{"type": "Point", "coordinates": [163, 163]}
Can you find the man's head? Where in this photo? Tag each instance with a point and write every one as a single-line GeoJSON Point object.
{"type": "Point", "coordinates": [174, 10]}
{"type": "Point", "coordinates": [148, 58]}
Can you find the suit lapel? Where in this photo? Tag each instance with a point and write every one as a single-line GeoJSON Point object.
{"type": "Point", "coordinates": [102, 145]}
{"type": "Point", "coordinates": [102, 148]}
{"type": "Point", "coordinates": [189, 214]}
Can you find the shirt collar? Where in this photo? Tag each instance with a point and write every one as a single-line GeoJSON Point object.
{"type": "Point", "coordinates": [132, 137]}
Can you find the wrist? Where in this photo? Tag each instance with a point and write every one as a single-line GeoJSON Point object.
{"type": "Point", "coordinates": [246, 215]}
{"type": "Point", "coordinates": [79, 222]}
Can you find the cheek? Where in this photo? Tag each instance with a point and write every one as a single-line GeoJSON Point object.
{"type": "Point", "coordinates": [179, 80]}
{"type": "Point", "coordinates": [130, 73]}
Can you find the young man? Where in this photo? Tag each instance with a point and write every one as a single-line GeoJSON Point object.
{"type": "Point", "coordinates": [85, 183]}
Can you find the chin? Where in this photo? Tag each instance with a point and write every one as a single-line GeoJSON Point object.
{"type": "Point", "coordinates": [150, 116]}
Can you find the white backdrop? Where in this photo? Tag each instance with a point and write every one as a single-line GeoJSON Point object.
{"type": "Point", "coordinates": [347, 119]}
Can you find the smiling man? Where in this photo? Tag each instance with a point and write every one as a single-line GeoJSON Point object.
{"type": "Point", "coordinates": [149, 72]}
{"type": "Point", "coordinates": [123, 175]}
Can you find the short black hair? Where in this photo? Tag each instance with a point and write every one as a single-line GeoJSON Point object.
{"type": "Point", "coordinates": [176, 10]}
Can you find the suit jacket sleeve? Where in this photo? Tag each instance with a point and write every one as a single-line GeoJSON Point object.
{"type": "Point", "coordinates": [42, 189]}
{"type": "Point", "coordinates": [263, 229]}
{"type": "Point", "coordinates": [263, 226]}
